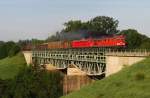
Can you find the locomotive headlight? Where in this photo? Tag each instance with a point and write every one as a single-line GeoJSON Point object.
{"type": "Point", "coordinates": [120, 43]}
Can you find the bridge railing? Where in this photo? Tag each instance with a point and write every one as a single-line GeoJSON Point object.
{"type": "Point", "coordinates": [128, 52]}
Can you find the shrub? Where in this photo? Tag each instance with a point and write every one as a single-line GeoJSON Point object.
{"type": "Point", "coordinates": [118, 83]}
{"type": "Point", "coordinates": [139, 76]}
{"type": "Point", "coordinates": [31, 83]}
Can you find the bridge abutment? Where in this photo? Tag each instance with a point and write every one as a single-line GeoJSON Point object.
{"type": "Point", "coordinates": [116, 63]}
{"type": "Point", "coordinates": [28, 56]}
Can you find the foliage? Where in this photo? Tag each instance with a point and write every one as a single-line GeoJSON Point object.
{"type": "Point", "coordinates": [135, 40]}
{"type": "Point", "coordinates": [99, 24]}
{"type": "Point", "coordinates": [8, 48]}
{"type": "Point", "coordinates": [30, 83]}
{"type": "Point", "coordinates": [139, 76]}
{"type": "Point", "coordinates": [19, 81]}
{"type": "Point", "coordinates": [3, 51]}
{"type": "Point", "coordinates": [120, 85]}
{"type": "Point", "coordinates": [145, 44]}
{"type": "Point", "coordinates": [103, 25]}
{"type": "Point", "coordinates": [14, 50]}
{"type": "Point", "coordinates": [73, 26]}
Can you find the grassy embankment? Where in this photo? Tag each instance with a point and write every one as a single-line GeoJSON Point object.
{"type": "Point", "coordinates": [131, 82]}
{"type": "Point", "coordinates": [10, 66]}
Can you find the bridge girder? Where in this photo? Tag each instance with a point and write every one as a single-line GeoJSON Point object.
{"type": "Point", "coordinates": [91, 61]}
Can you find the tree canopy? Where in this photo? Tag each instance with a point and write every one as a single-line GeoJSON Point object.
{"type": "Point", "coordinates": [8, 49]}
{"type": "Point", "coordinates": [71, 25]}
{"type": "Point", "coordinates": [136, 40]}
{"type": "Point", "coordinates": [100, 24]}
{"type": "Point", "coordinates": [103, 24]}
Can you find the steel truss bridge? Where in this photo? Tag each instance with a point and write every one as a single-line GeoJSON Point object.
{"type": "Point", "coordinates": [90, 60]}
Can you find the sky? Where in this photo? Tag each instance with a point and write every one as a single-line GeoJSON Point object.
{"type": "Point", "coordinates": [26, 19]}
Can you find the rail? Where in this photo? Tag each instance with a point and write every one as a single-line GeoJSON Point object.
{"type": "Point", "coordinates": [129, 52]}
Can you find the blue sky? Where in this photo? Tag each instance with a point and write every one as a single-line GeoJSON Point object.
{"type": "Point", "coordinates": [26, 19]}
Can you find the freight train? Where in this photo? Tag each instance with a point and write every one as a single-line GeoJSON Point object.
{"type": "Point", "coordinates": [109, 41]}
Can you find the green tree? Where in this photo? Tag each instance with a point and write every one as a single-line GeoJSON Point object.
{"type": "Point", "coordinates": [103, 25]}
{"type": "Point", "coordinates": [145, 43]}
{"type": "Point", "coordinates": [8, 49]}
{"type": "Point", "coordinates": [14, 50]}
{"type": "Point", "coordinates": [5, 48]}
{"type": "Point", "coordinates": [9, 45]}
{"type": "Point", "coordinates": [72, 26]}
{"type": "Point", "coordinates": [134, 39]}
{"type": "Point", "coordinates": [99, 24]}
{"type": "Point", "coordinates": [3, 51]}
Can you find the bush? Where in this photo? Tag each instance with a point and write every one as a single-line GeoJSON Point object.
{"type": "Point", "coordinates": [139, 76]}
{"type": "Point", "coordinates": [30, 83]}
{"type": "Point", "coordinates": [118, 83]}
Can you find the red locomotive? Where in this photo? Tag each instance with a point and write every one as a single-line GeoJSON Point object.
{"type": "Point", "coordinates": [111, 41]}
{"type": "Point", "coordinates": [118, 40]}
